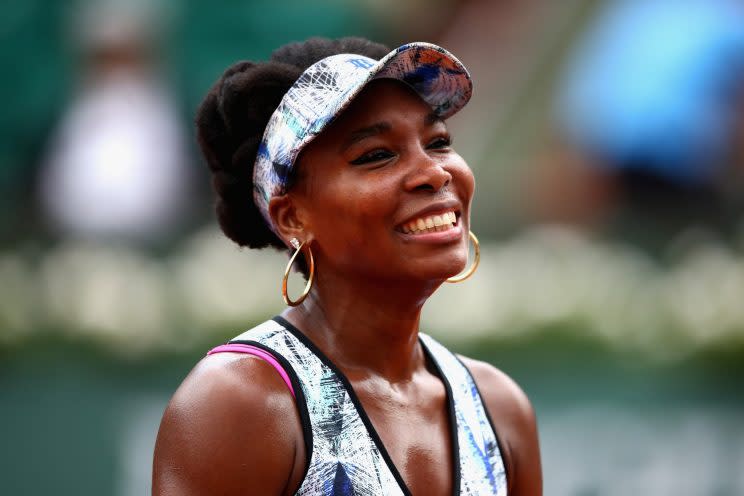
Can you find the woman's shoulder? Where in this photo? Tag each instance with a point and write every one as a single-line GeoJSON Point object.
{"type": "Point", "coordinates": [499, 390]}
{"type": "Point", "coordinates": [235, 382]}
{"type": "Point", "coordinates": [231, 427]}
{"type": "Point", "coordinates": [514, 420]}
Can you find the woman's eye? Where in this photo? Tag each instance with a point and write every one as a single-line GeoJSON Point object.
{"type": "Point", "coordinates": [373, 156]}
{"type": "Point", "coordinates": [441, 142]}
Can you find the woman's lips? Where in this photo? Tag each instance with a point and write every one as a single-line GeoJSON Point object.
{"type": "Point", "coordinates": [426, 224]}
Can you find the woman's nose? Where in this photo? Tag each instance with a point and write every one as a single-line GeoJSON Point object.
{"type": "Point", "coordinates": [427, 174]}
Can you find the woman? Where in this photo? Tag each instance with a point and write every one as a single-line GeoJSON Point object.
{"type": "Point", "coordinates": [345, 149]}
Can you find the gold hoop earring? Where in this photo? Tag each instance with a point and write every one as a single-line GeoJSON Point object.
{"type": "Point", "coordinates": [472, 268]}
{"type": "Point", "coordinates": [311, 265]}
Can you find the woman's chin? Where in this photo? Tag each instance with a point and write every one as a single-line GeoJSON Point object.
{"type": "Point", "coordinates": [440, 272]}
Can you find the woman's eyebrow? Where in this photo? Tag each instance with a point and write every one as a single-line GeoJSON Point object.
{"type": "Point", "coordinates": [380, 127]}
{"type": "Point", "coordinates": [365, 132]}
{"type": "Point", "coordinates": [432, 118]}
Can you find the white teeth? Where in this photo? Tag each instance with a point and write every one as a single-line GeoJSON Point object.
{"type": "Point", "coordinates": [432, 223]}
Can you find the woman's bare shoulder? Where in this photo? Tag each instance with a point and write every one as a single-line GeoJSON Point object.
{"type": "Point", "coordinates": [500, 391]}
{"type": "Point", "coordinates": [231, 428]}
{"type": "Point", "coordinates": [515, 423]}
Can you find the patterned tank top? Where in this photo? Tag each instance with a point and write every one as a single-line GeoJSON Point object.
{"type": "Point", "coordinates": [345, 454]}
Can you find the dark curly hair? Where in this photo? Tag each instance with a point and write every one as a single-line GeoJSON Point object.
{"type": "Point", "coordinates": [231, 120]}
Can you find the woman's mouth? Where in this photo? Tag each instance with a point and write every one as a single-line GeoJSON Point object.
{"type": "Point", "coordinates": [430, 223]}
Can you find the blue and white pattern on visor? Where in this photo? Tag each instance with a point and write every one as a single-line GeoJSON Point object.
{"type": "Point", "coordinates": [328, 86]}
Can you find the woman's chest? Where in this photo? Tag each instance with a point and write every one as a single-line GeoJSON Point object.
{"type": "Point", "coordinates": [419, 439]}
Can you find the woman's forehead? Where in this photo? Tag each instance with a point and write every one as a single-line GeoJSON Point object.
{"type": "Point", "coordinates": [381, 96]}
{"type": "Point", "coordinates": [380, 104]}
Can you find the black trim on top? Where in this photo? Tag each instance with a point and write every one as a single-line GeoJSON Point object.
{"type": "Point", "coordinates": [300, 401]}
{"type": "Point", "coordinates": [357, 404]}
{"type": "Point", "coordinates": [456, 474]}
{"type": "Point", "coordinates": [490, 420]}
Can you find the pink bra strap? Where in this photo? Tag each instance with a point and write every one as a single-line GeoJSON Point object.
{"type": "Point", "coordinates": [255, 351]}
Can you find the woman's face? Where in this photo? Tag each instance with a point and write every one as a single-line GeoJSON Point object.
{"type": "Point", "coordinates": [383, 194]}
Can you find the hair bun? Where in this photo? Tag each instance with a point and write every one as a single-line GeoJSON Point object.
{"type": "Point", "coordinates": [248, 98]}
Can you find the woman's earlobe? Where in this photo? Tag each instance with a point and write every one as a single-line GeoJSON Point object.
{"type": "Point", "coordinates": [286, 219]}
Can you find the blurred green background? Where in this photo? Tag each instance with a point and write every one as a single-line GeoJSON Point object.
{"type": "Point", "coordinates": [612, 292]}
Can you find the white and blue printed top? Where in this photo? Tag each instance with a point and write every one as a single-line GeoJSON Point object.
{"type": "Point", "coordinates": [345, 453]}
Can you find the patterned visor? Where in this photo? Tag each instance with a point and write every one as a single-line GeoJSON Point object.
{"type": "Point", "coordinates": [327, 87]}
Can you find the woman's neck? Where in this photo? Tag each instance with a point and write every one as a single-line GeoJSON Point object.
{"type": "Point", "coordinates": [366, 329]}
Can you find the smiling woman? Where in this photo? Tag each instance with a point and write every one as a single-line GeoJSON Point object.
{"type": "Point", "coordinates": [338, 151]}
{"type": "Point", "coordinates": [395, 169]}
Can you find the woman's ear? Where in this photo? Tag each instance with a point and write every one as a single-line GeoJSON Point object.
{"type": "Point", "coordinates": [287, 219]}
